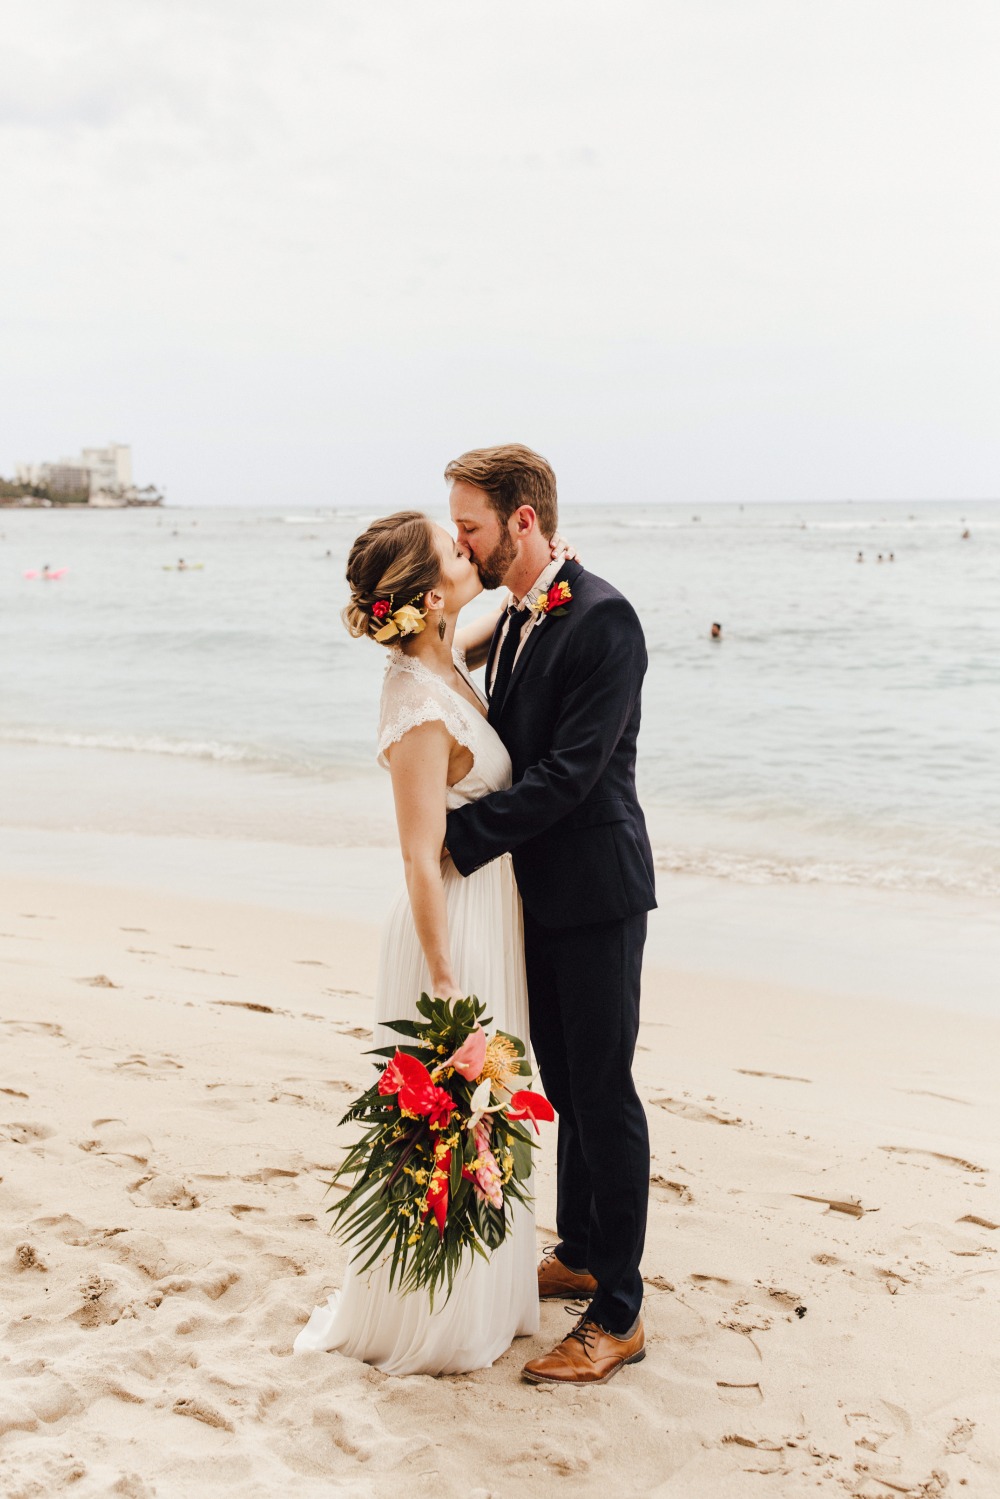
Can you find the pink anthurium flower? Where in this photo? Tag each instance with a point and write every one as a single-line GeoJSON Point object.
{"type": "Point", "coordinates": [532, 1106]}
{"type": "Point", "coordinates": [470, 1056]}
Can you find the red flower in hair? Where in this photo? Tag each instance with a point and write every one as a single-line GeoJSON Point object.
{"type": "Point", "coordinates": [380, 608]}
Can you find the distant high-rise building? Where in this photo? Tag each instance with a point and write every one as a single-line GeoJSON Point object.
{"type": "Point", "coordinates": [110, 467]}
{"type": "Point", "coordinates": [97, 471]}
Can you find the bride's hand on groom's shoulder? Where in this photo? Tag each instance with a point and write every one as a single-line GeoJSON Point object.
{"type": "Point", "coordinates": [563, 550]}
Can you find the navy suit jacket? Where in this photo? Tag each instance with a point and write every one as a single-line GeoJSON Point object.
{"type": "Point", "coordinates": [569, 720]}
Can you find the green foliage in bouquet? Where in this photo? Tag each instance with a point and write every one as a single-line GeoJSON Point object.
{"type": "Point", "coordinates": [444, 1156]}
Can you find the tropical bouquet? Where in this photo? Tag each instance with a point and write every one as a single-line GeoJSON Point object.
{"type": "Point", "coordinates": [446, 1152]}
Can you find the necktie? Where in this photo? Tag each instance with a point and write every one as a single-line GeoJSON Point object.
{"type": "Point", "coordinates": [505, 665]}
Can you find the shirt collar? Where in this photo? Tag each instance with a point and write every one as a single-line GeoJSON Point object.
{"type": "Point", "coordinates": [541, 585]}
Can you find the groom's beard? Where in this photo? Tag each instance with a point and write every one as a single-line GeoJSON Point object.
{"type": "Point", "coordinates": [493, 569]}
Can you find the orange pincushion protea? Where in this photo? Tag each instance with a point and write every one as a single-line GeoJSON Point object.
{"type": "Point", "coordinates": [501, 1064]}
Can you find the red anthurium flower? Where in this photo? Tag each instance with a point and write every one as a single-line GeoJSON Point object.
{"type": "Point", "coordinates": [404, 1071]}
{"type": "Point", "coordinates": [437, 1192]}
{"type": "Point", "coordinates": [528, 1105]}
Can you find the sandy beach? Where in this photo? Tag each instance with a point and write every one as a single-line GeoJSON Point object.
{"type": "Point", "coordinates": [821, 1261]}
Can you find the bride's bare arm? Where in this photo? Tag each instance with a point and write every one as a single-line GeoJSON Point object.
{"type": "Point", "coordinates": [474, 638]}
{"type": "Point", "coordinates": [418, 764]}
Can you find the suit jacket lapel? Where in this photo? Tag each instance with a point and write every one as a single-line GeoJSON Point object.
{"type": "Point", "coordinates": [568, 573]}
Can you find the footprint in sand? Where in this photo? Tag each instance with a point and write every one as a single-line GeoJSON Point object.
{"type": "Point", "coordinates": [934, 1155]}
{"type": "Point", "coordinates": [246, 1004]}
{"type": "Point", "coordinates": [311, 963]}
{"type": "Point", "coordinates": [201, 1411]}
{"type": "Point", "coordinates": [114, 1138]}
{"type": "Point", "coordinates": [781, 1077]}
{"type": "Point", "coordinates": [99, 981]}
{"type": "Point", "coordinates": [27, 1027]}
{"type": "Point", "coordinates": [156, 1063]}
{"type": "Point", "coordinates": [164, 1192]}
{"type": "Point", "coordinates": [659, 1283]}
{"type": "Point", "coordinates": [676, 1189]}
{"type": "Point", "coordinates": [926, 1093]}
{"type": "Point", "coordinates": [213, 1284]}
{"type": "Point", "coordinates": [268, 1174]}
{"type": "Point", "coordinates": [837, 1204]}
{"type": "Point", "coordinates": [26, 1257]}
{"type": "Point", "coordinates": [685, 1110]}
{"type": "Point", "coordinates": [715, 1283]}
{"type": "Point", "coordinates": [102, 1304]}
{"type": "Point", "coordinates": [21, 1133]}
{"type": "Point", "coordinates": [14, 1093]}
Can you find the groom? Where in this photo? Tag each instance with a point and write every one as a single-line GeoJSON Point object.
{"type": "Point", "coordinates": [563, 676]}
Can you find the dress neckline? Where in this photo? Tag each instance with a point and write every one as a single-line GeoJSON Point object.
{"type": "Point", "coordinates": [418, 669]}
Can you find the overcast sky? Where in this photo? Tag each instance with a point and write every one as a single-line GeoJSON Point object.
{"type": "Point", "coordinates": [305, 251]}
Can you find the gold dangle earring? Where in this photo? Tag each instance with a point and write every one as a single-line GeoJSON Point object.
{"type": "Point", "coordinates": [441, 626]}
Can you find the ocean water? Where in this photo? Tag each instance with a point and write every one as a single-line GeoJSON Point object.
{"type": "Point", "coordinates": [845, 729]}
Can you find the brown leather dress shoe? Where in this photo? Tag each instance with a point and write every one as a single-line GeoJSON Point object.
{"type": "Point", "coordinates": [588, 1355]}
{"type": "Point", "coordinates": [557, 1283]}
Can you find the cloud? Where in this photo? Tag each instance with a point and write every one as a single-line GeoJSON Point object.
{"type": "Point", "coordinates": [754, 234]}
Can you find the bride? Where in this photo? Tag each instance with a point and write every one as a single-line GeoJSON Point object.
{"type": "Point", "coordinates": [446, 934]}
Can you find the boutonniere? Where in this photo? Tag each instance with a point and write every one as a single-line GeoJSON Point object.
{"type": "Point", "coordinates": [555, 600]}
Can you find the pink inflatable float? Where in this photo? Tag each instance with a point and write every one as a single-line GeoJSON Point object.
{"type": "Point", "coordinates": [46, 575]}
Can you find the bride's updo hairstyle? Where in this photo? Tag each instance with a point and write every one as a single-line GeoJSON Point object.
{"type": "Point", "coordinates": [393, 563]}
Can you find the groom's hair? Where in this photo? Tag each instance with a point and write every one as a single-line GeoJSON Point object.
{"type": "Point", "coordinates": [512, 475]}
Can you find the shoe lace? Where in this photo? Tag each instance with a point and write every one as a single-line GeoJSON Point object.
{"type": "Point", "coordinates": [585, 1332]}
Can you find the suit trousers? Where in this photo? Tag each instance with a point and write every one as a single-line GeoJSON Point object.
{"type": "Point", "coordinates": [583, 996]}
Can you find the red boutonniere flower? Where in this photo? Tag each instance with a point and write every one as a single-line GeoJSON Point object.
{"type": "Point", "coordinates": [555, 600]}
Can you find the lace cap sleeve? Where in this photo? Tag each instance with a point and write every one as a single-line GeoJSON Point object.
{"type": "Point", "coordinates": [412, 695]}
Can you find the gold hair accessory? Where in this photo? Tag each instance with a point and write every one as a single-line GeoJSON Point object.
{"type": "Point", "coordinates": [406, 620]}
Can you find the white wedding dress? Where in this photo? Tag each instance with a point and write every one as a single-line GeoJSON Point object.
{"type": "Point", "coordinates": [491, 1302]}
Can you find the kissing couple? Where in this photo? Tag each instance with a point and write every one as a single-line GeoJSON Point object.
{"type": "Point", "coordinates": [529, 877]}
